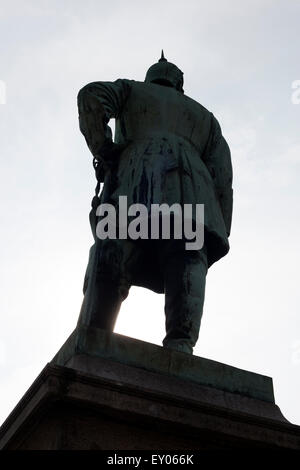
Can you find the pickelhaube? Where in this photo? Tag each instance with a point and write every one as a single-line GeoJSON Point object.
{"type": "Point", "coordinates": [165, 73]}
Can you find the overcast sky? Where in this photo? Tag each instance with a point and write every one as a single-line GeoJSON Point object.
{"type": "Point", "coordinates": [239, 59]}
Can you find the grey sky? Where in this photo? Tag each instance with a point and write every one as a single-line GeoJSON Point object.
{"type": "Point", "coordinates": [239, 60]}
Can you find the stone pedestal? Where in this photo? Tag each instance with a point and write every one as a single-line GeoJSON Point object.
{"type": "Point", "coordinates": [106, 391]}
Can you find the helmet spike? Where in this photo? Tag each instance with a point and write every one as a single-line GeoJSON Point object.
{"type": "Point", "coordinates": [162, 59]}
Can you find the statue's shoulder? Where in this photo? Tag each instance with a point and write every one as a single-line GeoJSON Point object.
{"type": "Point", "coordinates": [190, 101]}
{"type": "Point", "coordinates": [214, 123]}
{"type": "Point", "coordinates": [137, 85]}
{"type": "Point", "coordinates": [144, 88]}
{"type": "Point", "coordinates": [126, 82]}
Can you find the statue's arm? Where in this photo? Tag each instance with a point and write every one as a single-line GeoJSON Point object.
{"type": "Point", "coordinates": [218, 161]}
{"type": "Point", "coordinates": [97, 103]}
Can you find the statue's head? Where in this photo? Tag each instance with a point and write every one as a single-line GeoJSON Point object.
{"type": "Point", "coordinates": [165, 73]}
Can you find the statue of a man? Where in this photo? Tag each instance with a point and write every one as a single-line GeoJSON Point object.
{"type": "Point", "coordinates": [168, 149]}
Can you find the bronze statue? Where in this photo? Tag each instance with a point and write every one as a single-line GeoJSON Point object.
{"type": "Point", "coordinates": [168, 149]}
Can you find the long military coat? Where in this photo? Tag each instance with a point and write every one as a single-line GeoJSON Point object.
{"type": "Point", "coordinates": [176, 154]}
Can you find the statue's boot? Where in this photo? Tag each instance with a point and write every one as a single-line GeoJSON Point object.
{"type": "Point", "coordinates": [184, 277]}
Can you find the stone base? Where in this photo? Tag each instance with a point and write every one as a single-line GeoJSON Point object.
{"type": "Point", "coordinates": [106, 391]}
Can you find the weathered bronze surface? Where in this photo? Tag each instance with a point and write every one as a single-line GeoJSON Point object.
{"type": "Point", "coordinates": [167, 149]}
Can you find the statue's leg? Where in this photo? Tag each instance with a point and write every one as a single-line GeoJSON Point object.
{"type": "Point", "coordinates": [107, 283]}
{"type": "Point", "coordinates": [184, 279]}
